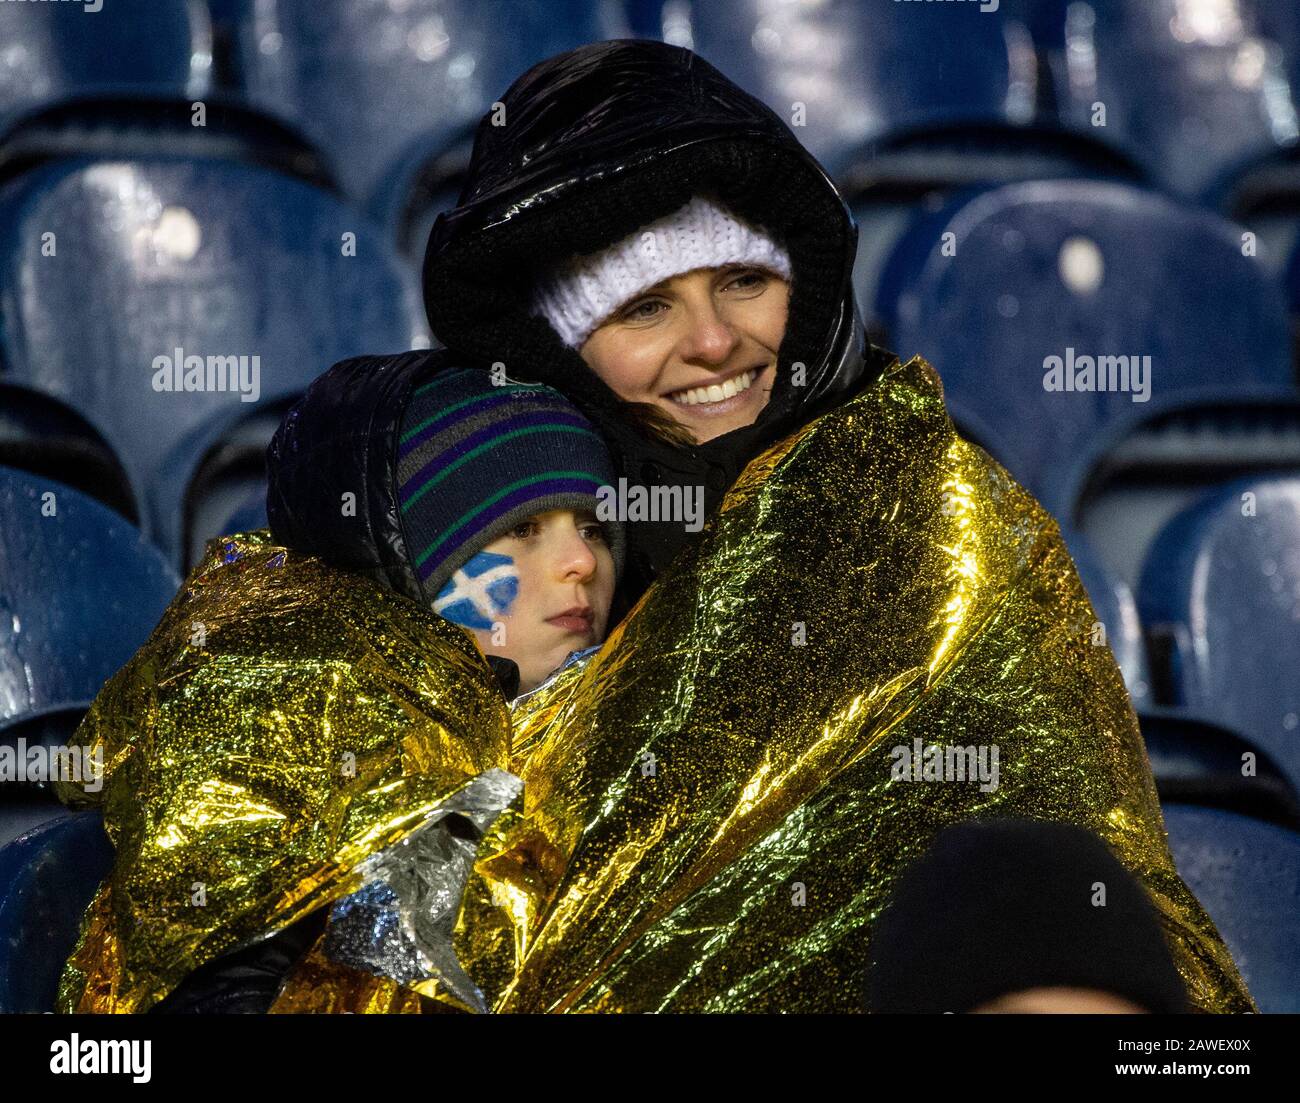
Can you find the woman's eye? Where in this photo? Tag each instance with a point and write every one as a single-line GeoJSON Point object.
{"type": "Point", "coordinates": [748, 281]}
{"type": "Point", "coordinates": [647, 308]}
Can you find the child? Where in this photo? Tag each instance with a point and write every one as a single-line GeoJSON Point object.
{"type": "Point", "coordinates": [478, 500]}
{"type": "Point", "coordinates": [300, 723]}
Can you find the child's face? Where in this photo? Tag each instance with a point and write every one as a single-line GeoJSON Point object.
{"type": "Point", "coordinates": [537, 593]}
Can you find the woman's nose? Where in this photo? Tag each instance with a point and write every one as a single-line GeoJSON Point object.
{"type": "Point", "coordinates": [709, 338]}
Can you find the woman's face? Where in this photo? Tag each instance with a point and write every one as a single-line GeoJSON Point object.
{"type": "Point", "coordinates": [535, 594]}
{"type": "Point", "coordinates": [700, 346]}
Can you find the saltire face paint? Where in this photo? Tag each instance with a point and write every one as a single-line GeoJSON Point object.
{"type": "Point", "coordinates": [480, 593]}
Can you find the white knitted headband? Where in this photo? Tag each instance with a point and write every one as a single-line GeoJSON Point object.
{"type": "Point", "coordinates": [581, 294]}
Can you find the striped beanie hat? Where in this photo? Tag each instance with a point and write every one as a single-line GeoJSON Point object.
{"type": "Point", "coordinates": [475, 459]}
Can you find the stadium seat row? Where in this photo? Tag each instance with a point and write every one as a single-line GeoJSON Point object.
{"type": "Point", "coordinates": [157, 316]}
{"type": "Point", "coordinates": [1198, 99]}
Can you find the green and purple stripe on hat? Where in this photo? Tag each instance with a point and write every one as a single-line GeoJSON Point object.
{"type": "Point", "coordinates": [475, 459]}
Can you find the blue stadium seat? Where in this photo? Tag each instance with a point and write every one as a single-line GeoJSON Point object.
{"type": "Point", "coordinates": [81, 590]}
{"type": "Point", "coordinates": [892, 95]}
{"type": "Point", "coordinates": [56, 53]}
{"type": "Point", "coordinates": [129, 80]}
{"type": "Point", "coordinates": [1247, 876]}
{"type": "Point", "coordinates": [857, 68]}
{"type": "Point", "coordinates": [1192, 91]}
{"type": "Point", "coordinates": [1221, 589]}
{"type": "Point", "coordinates": [1198, 761]}
{"type": "Point", "coordinates": [1265, 193]}
{"type": "Point", "coordinates": [47, 879]}
{"type": "Point", "coordinates": [250, 514]}
{"type": "Point", "coordinates": [1169, 461]}
{"type": "Point", "coordinates": [1005, 289]}
{"type": "Point", "coordinates": [385, 89]}
{"type": "Point", "coordinates": [228, 493]}
{"type": "Point", "coordinates": [132, 271]}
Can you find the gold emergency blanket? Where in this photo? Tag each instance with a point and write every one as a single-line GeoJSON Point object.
{"type": "Point", "coordinates": [722, 777]}
{"type": "Point", "coordinates": [714, 811]}
{"type": "Point", "coordinates": [283, 723]}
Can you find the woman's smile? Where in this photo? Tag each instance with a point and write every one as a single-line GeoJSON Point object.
{"type": "Point", "coordinates": [719, 396]}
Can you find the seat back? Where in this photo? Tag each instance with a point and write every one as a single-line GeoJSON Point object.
{"type": "Point", "coordinates": [846, 73]}
{"type": "Point", "coordinates": [229, 480]}
{"type": "Point", "coordinates": [168, 300]}
{"type": "Point", "coordinates": [1030, 297]}
{"type": "Point", "coordinates": [1198, 761]}
{"type": "Point", "coordinates": [376, 84]}
{"type": "Point", "coordinates": [1117, 617]}
{"type": "Point", "coordinates": [1221, 588]}
{"type": "Point", "coordinates": [40, 434]}
{"type": "Point", "coordinates": [47, 879]}
{"type": "Point", "coordinates": [80, 590]}
{"type": "Point", "coordinates": [55, 53]}
{"type": "Point", "coordinates": [1247, 876]}
{"type": "Point", "coordinates": [1192, 91]}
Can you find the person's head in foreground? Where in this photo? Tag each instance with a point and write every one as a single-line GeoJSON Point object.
{"type": "Point", "coordinates": [477, 500]}
{"type": "Point", "coordinates": [1020, 916]}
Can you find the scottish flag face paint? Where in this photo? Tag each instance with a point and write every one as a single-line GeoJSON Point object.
{"type": "Point", "coordinates": [480, 593]}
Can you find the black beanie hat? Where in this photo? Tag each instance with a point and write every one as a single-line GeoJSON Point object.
{"type": "Point", "coordinates": [1002, 906]}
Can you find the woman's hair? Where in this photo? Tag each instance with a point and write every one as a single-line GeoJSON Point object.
{"type": "Point", "coordinates": [657, 423]}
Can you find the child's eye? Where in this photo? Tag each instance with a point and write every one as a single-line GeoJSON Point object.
{"type": "Point", "coordinates": [594, 532]}
{"type": "Point", "coordinates": [524, 530]}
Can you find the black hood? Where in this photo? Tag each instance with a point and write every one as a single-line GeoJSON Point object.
{"type": "Point", "coordinates": [592, 145]}
{"type": "Point", "coordinates": [341, 438]}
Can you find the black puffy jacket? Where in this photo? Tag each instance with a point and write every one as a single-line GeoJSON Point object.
{"type": "Point", "coordinates": [593, 144]}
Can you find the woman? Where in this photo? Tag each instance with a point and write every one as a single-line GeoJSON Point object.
{"type": "Point", "coordinates": [597, 146]}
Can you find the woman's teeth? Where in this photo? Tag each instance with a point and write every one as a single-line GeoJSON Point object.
{"type": "Point", "coordinates": [715, 392]}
